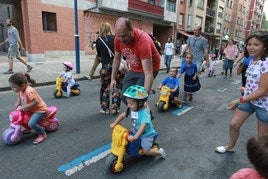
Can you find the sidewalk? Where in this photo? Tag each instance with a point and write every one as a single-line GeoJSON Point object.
{"type": "Point", "coordinates": [45, 73]}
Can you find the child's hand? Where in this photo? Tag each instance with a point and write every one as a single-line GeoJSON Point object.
{"type": "Point", "coordinates": [130, 138]}
{"type": "Point", "coordinates": [232, 105]}
{"type": "Point", "coordinates": [112, 125]}
{"type": "Point", "coordinates": [194, 77]}
{"type": "Point", "coordinates": [241, 89]}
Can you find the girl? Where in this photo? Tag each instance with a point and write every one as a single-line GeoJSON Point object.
{"type": "Point", "coordinates": [136, 97]}
{"type": "Point", "coordinates": [29, 99]}
{"type": "Point", "coordinates": [67, 77]}
{"type": "Point", "coordinates": [255, 92]}
{"type": "Point", "coordinates": [191, 80]}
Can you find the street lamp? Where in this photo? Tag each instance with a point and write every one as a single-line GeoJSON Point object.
{"type": "Point", "coordinates": [77, 51]}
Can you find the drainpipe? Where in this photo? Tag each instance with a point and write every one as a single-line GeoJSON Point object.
{"type": "Point", "coordinates": [76, 35]}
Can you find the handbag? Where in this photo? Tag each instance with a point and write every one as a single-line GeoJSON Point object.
{"type": "Point", "coordinates": [123, 67]}
{"type": "Point", "coordinates": [240, 68]}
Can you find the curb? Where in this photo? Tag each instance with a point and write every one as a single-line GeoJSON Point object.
{"type": "Point", "coordinates": [48, 83]}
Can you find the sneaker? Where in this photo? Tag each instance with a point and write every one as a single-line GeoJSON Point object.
{"type": "Point", "coordinates": [163, 153]}
{"type": "Point", "coordinates": [40, 139]}
{"type": "Point", "coordinates": [10, 71]}
{"type": "Point", "coordinates": [29, 68]}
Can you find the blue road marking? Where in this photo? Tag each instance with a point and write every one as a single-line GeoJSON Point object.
{"type": "Point", "coordinates": [78, 161]}
{"type": "Point", "coordinates": [182, 110]}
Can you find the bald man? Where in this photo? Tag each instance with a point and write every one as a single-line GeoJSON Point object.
{"type": "Point", "coordinates": [140, 52]}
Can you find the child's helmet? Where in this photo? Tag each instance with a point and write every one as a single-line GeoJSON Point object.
{"type": "Point", "coordinates": [136, 92]}
{"type": "Point", "coordinates": [68, 64]}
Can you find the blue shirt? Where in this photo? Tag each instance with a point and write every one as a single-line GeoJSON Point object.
{"type": "Point", "coordinates": [189, 70]}
{"type": "Point", "coordinates": [247, 60]}
{"type": "Point", "coordinates": [142, 117]}
{"type": "Point", "coordinates": [171, 82]}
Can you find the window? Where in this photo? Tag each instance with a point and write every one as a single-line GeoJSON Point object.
{"type": "Point", "coordinates": [171, 5]}
{"type": "Point", "coordinates": [181, 17]}
{"type": "Point", "coordinates": [189, 20]}
{"type": "Point", "coordinates": [49, 21]}
{"type": "Point", "coordinates": [151, 2]}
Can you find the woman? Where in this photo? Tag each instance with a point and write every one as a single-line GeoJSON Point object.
{"type": "Point", "coordinates": [231, 51]}
{"type": "Point", "coordinates": [105, 52]}
{"type": "Point", "coordinates": [255, 97]}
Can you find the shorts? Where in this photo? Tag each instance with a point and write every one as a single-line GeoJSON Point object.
{"type": "Point", "coordinates": [147, 142]}
{"type": "Point", "coordinates": [261, 113]}
{"type": "Point", "coordinates": [13, 51]}
{"type": "Point", "coordinates": [198, 65]}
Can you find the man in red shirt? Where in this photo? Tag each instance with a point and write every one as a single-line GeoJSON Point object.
{"type": "Point", "coordinates": [140, 52]}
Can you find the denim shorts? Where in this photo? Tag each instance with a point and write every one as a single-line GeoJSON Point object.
{"type": "Point", "coordinates": [261, 113]}
{"type": "Point", "coordinates": [147, 142]}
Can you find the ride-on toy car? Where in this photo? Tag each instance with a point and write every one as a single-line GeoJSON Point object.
{"type": "Point", "coordinates": [165, 100]}
{"type": "Point", "coordinates": [62, 88]}
{"type": "Point", "coordinates": [120, 146]}
{"type": "Point", "coordinates": [19, 124]}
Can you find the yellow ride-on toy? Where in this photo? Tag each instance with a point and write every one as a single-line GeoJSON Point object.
{"type": "Point", "coordinates": [120, 146]}
{"type": "Point", "coordinates": [62, 88]}
{"type": "Point", "coordinates": [165, 100]}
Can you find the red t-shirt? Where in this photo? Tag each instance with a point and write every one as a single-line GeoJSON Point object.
{"type": "Point", "coordinates": [142, 48]}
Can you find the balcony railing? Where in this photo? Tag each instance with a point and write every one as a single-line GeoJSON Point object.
{"type": "Point", "coordinates": [145, 7]}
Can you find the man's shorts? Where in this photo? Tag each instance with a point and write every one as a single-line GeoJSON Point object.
{"type": "Point", "coordinates": [261, 113]}
{"type": "Point", "coordinates": [13, 51]}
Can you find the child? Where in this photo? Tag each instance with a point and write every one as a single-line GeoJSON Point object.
{"type": "Point", "coordinates": [136, 97]}
{"type": "Point", "coordinates": [257, 151]}
{"type": "Point", "coordinates": [212, 65]}
{"type": "Point", "coordinates": [67, 77]}
{"type": "Point", "coordinates": [191, 80]}
{"type": "Point", "coordinates": [173, 83]}
{"type": "Point", "coordinates": [29, 99]}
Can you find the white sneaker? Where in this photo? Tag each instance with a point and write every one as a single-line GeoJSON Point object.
{"type": "Point", "coordinates": [163, 153]}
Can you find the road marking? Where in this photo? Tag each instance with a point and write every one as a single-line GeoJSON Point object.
{"type": "Point", "coordinates": [85, 160]}
{"type": "Point", "coordinates": [182, 110]}
{"type": "Point", "coordinates": [236, 82]}
{"type": "Point", "coordinates": [222, 89]}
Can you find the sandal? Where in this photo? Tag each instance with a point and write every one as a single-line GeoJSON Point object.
{"type": "Point", "coordinates": [40, 139]}
{"type": "Point", "coordinates": [222, 150]}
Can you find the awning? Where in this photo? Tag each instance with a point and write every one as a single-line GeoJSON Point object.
{"type": "Point", "coordinates": [184, 33]}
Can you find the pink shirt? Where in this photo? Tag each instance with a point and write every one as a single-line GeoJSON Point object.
{"type": "Point", "coordinates": [246, 173]}
{"type": "Point", "coordinates": [142, 48]}
{"type": "Point", "coordinates": [231, 52]}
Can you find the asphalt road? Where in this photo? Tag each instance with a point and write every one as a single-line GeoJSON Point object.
{"type": "Point", "coordinates": [189, 139]}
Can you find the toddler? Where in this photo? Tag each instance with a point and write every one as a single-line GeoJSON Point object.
{"type": "Point", "coordinates": [67, 77]}
{"type": "Point", "coordinates": [136, 97]}
{"type": "Point", "coordinates": [172, 82]}
{"type": "Point", "coordinates": [212, 65]}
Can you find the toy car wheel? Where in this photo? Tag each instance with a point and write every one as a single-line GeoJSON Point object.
{"type": "Point", "coordinates": [54, 125]}
{"type": "Point", "coordinates": [110, 163]}
{"type": "Point", "coordinates": [57, 94]}
{"type": "Point", "coordinates": [160, 106]}
{"type": "Point", "coordinates": [76, 92]}
{"type": "Point", "coordinates": [7, 136]}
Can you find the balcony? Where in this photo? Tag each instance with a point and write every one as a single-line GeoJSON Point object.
{"type": "Point", "coordinates": [145, 8]}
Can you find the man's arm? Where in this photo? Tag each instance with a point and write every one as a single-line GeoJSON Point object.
{"type": "Point", "coordinates": [148, 73]}
{"type": "Point", "coordinates": [20, 43]}
{"type": "Point", "coordinates": [116, 63]}
{"type": "Point", "coordinates": [5, 41]}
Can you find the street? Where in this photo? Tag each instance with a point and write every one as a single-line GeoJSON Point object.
{"type": "Point", "coordinates": [188, 139]}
